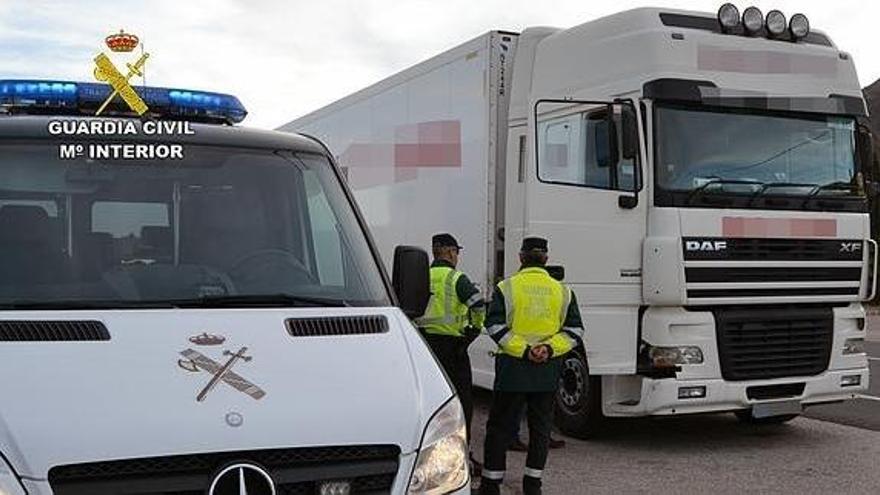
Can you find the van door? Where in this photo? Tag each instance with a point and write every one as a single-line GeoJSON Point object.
{"type": "Point", "coordinates": [586, 195]}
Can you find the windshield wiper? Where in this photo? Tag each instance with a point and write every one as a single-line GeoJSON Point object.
{"type": "Point", "coordinates": [773, 185]}
{"type": "Point", "coordinates": [259, 300]}
{"type": "Point", "coordinates": [85, 305]}
{"type": "Point", "coordinates": [832, 186]}
{"type": "Point", "coordinates": [702, 189]}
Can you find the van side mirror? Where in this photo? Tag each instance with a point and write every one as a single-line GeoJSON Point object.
{"type": "Point", "coordinates": [556, 271]}
{"type": "Point", "coordinates": [411, 280]}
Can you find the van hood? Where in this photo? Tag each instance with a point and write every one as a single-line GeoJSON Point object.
{"type": "Point", "coordinates": [136, 395]}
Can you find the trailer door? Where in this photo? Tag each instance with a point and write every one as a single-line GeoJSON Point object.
{"type": "Point", "coordinates": [585, 195]}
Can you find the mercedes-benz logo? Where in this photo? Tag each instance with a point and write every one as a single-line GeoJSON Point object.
{"type": "Point", "coordinates": [242, 479]}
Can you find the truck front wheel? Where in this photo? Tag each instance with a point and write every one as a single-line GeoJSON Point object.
{"type": "Point", "coordinates": [579, 399]}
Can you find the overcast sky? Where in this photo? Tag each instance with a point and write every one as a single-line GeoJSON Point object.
{"type": "Point", "coordinates": [284, 58]}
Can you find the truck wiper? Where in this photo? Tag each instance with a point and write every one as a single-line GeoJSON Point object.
{"type": "Point", "coordinates": [773, 185]}
{"type": "Point", "coordinates": [85, 305]}
{"type": "Point", "coordinates": [259, 300]}
{"type": "Point", "coordinates": [832, 186]}
{"type": "Point", "coordinates": [700, 191]}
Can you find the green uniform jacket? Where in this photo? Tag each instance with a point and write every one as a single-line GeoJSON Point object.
{"type": "Point", "coordinates": [514, 374]}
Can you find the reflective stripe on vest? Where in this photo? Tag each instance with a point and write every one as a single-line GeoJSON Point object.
{"type": "Point", "coordinates": [536, 303]}
{"type": "Point", "coordinates": [445, 315]}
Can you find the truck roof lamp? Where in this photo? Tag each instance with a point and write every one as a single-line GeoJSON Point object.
{"type": "Point", "coordinates": [799, 26]}
{"type": "Point", "coordinates": [776, 23]}
{"type": "Point", "coordinates": [753, 20]}
{"type": "Point", "coordinates": [728, 17]}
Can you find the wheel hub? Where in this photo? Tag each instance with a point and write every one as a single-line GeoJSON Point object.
{"type": "Point", "coordinates": [573, 385]}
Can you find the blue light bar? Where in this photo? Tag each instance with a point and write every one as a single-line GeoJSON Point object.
{"type": "Point", "coordinates": [65, 97]}
{"type": "Point", "coordinates": [37, 93]}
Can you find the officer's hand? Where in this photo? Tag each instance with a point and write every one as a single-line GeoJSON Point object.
{"type": "Point", "coordinates": [539, 354]}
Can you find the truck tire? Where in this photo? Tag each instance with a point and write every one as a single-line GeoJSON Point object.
{"type": "Point", "coordinates": [745, 416]}
{"type": "Point", "coordinates": [579, 399]}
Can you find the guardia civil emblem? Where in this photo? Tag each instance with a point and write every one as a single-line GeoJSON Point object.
{"type": "Point", "coordinates": [106, 71]}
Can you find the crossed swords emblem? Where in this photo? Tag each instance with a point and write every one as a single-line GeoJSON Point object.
{"type": "Point", "coordinates": [194, 361]}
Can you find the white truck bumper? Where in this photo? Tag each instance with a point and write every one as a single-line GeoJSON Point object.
{"type": "Point", "coordinates": [661, 396]}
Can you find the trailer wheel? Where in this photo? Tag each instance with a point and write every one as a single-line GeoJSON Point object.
{"type": "Point", "coordinates": [579, 399]}
{"type": "Point", "coordinates": [745, 416]}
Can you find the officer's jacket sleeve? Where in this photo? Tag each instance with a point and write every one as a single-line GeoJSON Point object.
{"type": "Point", "coordinates": [470, 296]}
{"type": "Point", "coordinates": [572, 333]}
{"type": "Point", "coordinates": [497, 327]}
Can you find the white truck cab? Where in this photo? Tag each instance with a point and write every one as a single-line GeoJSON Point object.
{"type": "Point", "coordinates": [217, 323]}
{"type": "Point", "coordinates": [702, 178]}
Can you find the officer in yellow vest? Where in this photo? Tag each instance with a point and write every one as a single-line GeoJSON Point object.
{"type": "Point", "coordinates": [535, 321]}
{"type": "Point", "coordinates": [453, 319]}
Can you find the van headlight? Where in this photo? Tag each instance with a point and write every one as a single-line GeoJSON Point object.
{"type": "Point", "coordinates": [442, 464]}
{"type": "Point", "coordinates": [9, 484]}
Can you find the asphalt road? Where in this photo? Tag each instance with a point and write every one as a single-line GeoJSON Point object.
{"type": "Point", "coordinates": [832, 449]}
{"type": "Point", "coordinates": [711, 454]}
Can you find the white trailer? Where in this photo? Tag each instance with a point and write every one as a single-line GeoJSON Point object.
{"type": "Point", "coordinates": [699, 177]}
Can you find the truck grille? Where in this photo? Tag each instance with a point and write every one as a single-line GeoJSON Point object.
{"type": "Point", "coordinates": [828, 268]}
{"type": "Point", "coordinates": [773, 341]}
{"type": "Point", "coordinates": [771, 249]}
{"type": "Point", "coordinates": [368, 468]}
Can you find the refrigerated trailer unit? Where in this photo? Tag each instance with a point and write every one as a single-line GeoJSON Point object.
{"type": "Point", "coordinates": [704, 187]}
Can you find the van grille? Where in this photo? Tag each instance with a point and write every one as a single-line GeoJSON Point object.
{"type": "Point", "coordinates": [773, 341]}
{"type": "Point", "coordinates": [52, 331]}
{"type": "Point", "coordinates": [369, 469]}
{"type": "Point", "coordinates": [337, 325]}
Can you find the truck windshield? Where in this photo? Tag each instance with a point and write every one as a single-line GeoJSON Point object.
{"type": "Point", "coordinates": [703, 155]}
{"type": "Point", "coordinates": [224, 226]}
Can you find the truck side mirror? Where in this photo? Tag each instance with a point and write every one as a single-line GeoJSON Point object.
{"type": "Point", "coordinates": [556, 271]}
{"type": "Point", "coordinates": [629, 128]}
{"type": "Point", "coordinates": [411, 280]}
{"type": "Point", "coordinates": [865, 151]}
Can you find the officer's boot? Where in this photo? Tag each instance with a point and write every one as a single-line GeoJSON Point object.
{"type": "Point", "coordinates": [531, 486]}
{"type": "Point", "coordinates": [490, 487]}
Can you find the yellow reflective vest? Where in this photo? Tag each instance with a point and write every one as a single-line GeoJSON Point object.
{"type": "Point", "coordinates": [537, 306]}
{"type": "Point", "coordinates": [445, 314]}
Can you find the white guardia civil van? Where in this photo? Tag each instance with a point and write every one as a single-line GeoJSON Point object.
{"type": "Point", "coordinates": [215, 324]}
{"type": "Point", "coordinates": [702, 178]}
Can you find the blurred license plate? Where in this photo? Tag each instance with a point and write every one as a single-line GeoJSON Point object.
{"type": "Point", "coordinates": [767, 409]}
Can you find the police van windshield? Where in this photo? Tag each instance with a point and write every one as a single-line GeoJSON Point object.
{"type": "Point", "coordinates": [748, 156]}
{"type": "Point", "coordinates": [222, 225]}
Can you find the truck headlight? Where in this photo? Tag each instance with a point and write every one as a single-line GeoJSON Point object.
{"type": "Point", "coordinates": [9, 484]}
{"type": "Point", "coordinates": [854, 346]}
{"type": "Point", "coordinates": [442, 464]}
{"type": "Point", "coordinates": [667, 357]}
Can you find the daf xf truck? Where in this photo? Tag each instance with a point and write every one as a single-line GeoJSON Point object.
{"type": "Point", "coordinates": [702, 179]}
